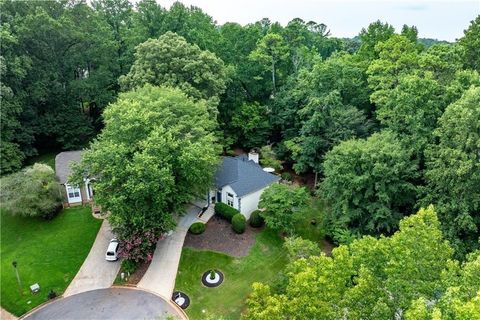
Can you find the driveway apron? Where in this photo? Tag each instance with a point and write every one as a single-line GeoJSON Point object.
{"type": "Point", "coordinates": [161, 274]}
{"type": "Point", "coordinates": [95, 272]}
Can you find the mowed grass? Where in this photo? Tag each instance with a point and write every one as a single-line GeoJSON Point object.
{"type": "Point", "coordinates": [49, 253]}
{"type": "Point", "coordinates": [46, 158]}
{"type": "Point", "coordinates": [266, 260]}
{"type": "Point", "coordinates": [304, 228]}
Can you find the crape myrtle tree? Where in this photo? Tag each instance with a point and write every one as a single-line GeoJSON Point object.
{"type": "Point", "coordinates": [369, 183]}
{"type": "Point", "coordinates": [156, 152]}
{"type": "Point", "coordinates": [406, 275]}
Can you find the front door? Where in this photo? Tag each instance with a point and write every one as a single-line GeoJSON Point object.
{"type": "Point", "coordinates": [219, 196]}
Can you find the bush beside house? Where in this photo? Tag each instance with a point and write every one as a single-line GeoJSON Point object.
{"type": "Point", "coordinates": [256, 220]}
{"type": "Point", "coordinates": [239, 223]}
{"type": "Point", "coordinates": [225, 211]}
{"type": "Point", "coordinates": [197, 228]}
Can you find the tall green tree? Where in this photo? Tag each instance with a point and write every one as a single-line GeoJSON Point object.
{"type": "Point", "coordinates": [453, 171]}
{"type": "Point", "coordinates": [330, 123]}
{"type": "Point", "coordinates": [156, 153]}
{"type": "Point", "coordinates": [69, 80]}
{"type": "Point", "coordinates": [375, 33]}
{"type": "Point", "coordinates": [251, 125]}
{"type": "Point", "coordinates": [270, 52]}
{"type": "Point", "coordinates": [471, 43]}
{"type": "Point", "coordinates": [281, 205]}
{"type": "Point", "coordinates": [171, 61]}
{"type": "Point", "coordinates": [374, 279]}
{"type": "Point", "coordinates": [370, 184]}
{"type": "Point", "coordinates": [31, 192]}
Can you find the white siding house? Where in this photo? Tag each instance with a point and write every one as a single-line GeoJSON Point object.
{"type": "Point", "coordinates": [239, 183]}
{"type": "Point", "coordinates": [74, 194]}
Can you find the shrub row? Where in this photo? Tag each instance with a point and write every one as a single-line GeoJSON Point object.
{"type": "Point", "coordinates": [225, 211]}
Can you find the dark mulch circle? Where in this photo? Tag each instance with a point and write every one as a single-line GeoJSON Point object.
{"type": "Point", "coordinates": [177, 294]}
{"type": "Point", "coordinates": [206, 274]}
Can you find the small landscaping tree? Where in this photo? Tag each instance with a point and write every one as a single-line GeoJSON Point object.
{"type": "Point", "coordinates": [32, 192]}
{"type": "Point", "coordinates": [239, 223]}
{"type": "Point", "coordinates": [280, 203]}
{"type": "Point", "coordinates": [298, 247]}
{"type": "Point", "coordinates": [256, 220]}
{"type": "Point", "coordinates": [197, 228]}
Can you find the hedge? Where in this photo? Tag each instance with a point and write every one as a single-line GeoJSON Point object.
{"type": "Point", "coordinates": [197, 228]}
{"type": "Point", "coordinates": [225, 211]}
{"type": "Point", "coordinates": [239, 223]}
{"type": "Point", "coordinates": [256, 220]}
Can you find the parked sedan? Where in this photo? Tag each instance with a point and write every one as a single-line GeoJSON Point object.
{"type": "Point", "coordinates": [112, 250]}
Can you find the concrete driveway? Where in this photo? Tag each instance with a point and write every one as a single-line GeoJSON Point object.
{"type": "Point", "coordinates": [95, 272]}
{"type": "Point", "coordinates": [161, 274]}
{"type": "Point", "coordinates": [112, 303]}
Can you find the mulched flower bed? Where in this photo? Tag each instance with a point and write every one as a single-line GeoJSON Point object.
{"type": "Point", "coordinates": [135, 278]}
{"type": "Point", "coordinates": [220, 237]}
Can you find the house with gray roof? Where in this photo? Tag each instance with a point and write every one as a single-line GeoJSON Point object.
{"type": "Point", "coordinates": [74, 194]}
{"type": "Point", "coordinates": [240, 181]}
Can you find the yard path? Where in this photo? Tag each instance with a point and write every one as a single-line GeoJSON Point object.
{"type": "Point", "coordinates": [5, 315]}
{"type": "Point", "coordinates": [95, 272]}
{"type": "Point", "coordinates": [160, 276]}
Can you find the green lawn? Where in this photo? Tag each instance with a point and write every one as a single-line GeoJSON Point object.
{"type": "Point", "coordinates": [46, 158]}
{"type": "Point", "coordinates": [304, 228]}
{"type": "Point", "coordinates": [47, 252]}
{"type": "Point", "coordinates": [265, 261]}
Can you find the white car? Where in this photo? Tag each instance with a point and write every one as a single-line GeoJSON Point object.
{"type": "Point", "coordinates": [112, 250]}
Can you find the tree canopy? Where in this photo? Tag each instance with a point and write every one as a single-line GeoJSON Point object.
{"type": "Point", "coordinates": [31, 192]}
{"type": "Point", "coordinates": [370, 184]}
{"type": "Point", "coordinates": [410, 274]}
{"type": "Point", "coordinates": [281, 205]}
{"type": "Point", "coordinates": [171, 61]}
{"type": "Point", "coordinates": [156, 153]}
{"type": "Point", "coordinates": [453, 171]}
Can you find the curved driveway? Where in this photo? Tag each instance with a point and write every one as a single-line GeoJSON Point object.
{"type": "Point", "coordinates": [112, 303]}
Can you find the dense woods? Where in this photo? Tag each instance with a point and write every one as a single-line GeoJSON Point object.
{"type": "Point", "coordinates": [387, 123]}
{"type": "Point", "coordinates": [292, 87]}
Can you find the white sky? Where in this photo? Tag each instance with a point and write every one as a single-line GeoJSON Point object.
{"type": "Point", "coordinates": [444, 20]}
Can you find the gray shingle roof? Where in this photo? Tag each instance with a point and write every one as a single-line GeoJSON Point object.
{"type": "Point", "coordinates": [63, 161]}
{"type": "Point", "coordinates": [242, 175]}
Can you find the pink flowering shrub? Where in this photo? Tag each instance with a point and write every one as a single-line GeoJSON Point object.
{"type": "Point", "coordinates": [139, 247]}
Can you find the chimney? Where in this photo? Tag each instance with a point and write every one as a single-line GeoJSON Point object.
{"type": "Point", "coordinates": [253, 155]}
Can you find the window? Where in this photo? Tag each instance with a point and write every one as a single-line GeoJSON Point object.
{"type": "Point", "coordinates": [73, 193]}
{"type": "Point", "coordinates": [230, 199]}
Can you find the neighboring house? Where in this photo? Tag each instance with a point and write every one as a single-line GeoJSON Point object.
{"type": "Point", "coordinates": [240, 181]}
{"type": "Point", "coordinates": [74, 194]}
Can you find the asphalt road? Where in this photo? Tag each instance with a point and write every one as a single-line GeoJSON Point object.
{"type": "Point", "coordinates": [112, 303]}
